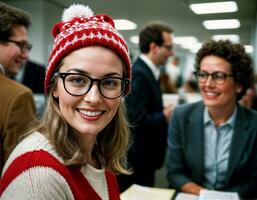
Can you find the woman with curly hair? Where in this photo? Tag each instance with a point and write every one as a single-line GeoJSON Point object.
{"type": "Point", "coordinates": [81, 141]}
{"type": "Point", "coordinates": [213, 143]}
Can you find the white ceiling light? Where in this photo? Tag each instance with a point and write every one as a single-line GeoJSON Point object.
{"type": "Point", "coordinates": [185, 40]}
{"type": "Point", "coordinates": [134, 39]}
{"type": "Point", "coordinates": [124, 24]}
{"type": "Point", "coordinates": [232, 38]}
{"type": "Point", "coordinates": [248, 48]}
{"type": "Point", "coordinates": [221, 24]}
{"type": "Point", "coordinates": [194, 47]}
{"type": "Point", "coordinates": [215, 7]}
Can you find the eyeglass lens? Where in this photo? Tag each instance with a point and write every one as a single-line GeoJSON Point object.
{"type": "Point", "coordinates": [168, 47]}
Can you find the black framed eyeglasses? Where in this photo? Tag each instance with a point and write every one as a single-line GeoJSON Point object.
{"type": "Point", "coordinates": [168, 47]}
{"type": "Point", "coordinates": [78, 84]}
{"type": "Point", "coordinates": [23, 45]}
{"type": "Point", "coordinates": [217, 77]}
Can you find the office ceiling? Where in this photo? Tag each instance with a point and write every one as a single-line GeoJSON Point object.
{"type": "Point", "coordinates": [176, 13]}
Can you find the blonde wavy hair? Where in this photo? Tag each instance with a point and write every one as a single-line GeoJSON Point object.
{"type": "Point", "coordinates": [111, 144]}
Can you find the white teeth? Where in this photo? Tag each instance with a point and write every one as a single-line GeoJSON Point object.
{"type": "Point", "coordinates": [211, 94]}
{"type": "Point", "coordinates": [89, 113]}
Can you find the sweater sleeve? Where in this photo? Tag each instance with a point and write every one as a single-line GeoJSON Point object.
{"type": "Point", "coordinates": [38, 183]}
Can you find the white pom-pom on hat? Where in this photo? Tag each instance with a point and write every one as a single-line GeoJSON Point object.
{"type": "Point", "coordinates": [76, 10]}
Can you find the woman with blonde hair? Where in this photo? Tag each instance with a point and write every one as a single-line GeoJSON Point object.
{"type": "Point", "coordinates": [81, 141]}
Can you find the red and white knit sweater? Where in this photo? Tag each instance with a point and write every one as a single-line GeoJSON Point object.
{"type": "Point", "coordinates": [35, 171]}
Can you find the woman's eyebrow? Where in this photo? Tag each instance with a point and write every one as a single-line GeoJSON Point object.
{"type": "Point", "coordinates": [85, 72]}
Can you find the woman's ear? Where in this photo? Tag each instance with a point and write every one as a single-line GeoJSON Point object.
{"type": "Point", "coordinates": [55, 93]}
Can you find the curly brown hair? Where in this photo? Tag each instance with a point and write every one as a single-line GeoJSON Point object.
{"type": "Point", "coordinates": [235, 54]}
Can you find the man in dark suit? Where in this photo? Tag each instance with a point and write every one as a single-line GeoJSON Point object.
{"type": "Point", "coordinates": [145, 108]}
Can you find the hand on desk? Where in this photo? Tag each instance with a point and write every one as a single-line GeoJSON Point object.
{"type": "Point", "coordinates": [191, 188]}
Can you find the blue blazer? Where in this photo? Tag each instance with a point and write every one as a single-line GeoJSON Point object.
{"type": "Point", "coordinates": [186, 156]}
{"type": "Point", "coordinates": [149, 126]}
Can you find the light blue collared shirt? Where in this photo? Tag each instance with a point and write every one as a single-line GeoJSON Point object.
{"type": "Point", "coordinates": [156, 71]}
{"type": "Point", "coordinates": [217, 142]}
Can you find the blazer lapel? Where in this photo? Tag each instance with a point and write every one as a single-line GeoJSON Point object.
{"type": "Point", "coordinates": [195, 127]}
{"type": "Point", "coordinates": [239, 141]}
{"type": "Point", "coordinates": [150, 76]}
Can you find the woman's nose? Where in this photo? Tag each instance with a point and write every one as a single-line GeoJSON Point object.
{"type": "Point", "coordinates": [93, 95]}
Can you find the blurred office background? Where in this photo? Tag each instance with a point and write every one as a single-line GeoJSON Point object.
{"type": "Point", "coordinates": [190, 28]}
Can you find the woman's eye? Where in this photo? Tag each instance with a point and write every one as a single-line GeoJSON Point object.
{"type": "Point", "coordinates": [78, 80]}
{"type": "Point", "coordinates": [111, 83]}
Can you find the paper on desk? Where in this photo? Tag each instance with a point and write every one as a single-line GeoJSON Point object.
{"type": "Point", "coordinates": [186, 196]}
{"type": "Point", "coordinates": [208, 195]}
{"type": "Point", "coordinates": [217, 195]}
{"type": "Point", "coordinates": [138, 192]}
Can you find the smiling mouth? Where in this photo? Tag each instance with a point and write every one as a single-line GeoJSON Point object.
{"type": "Point", "coordinates": [211, 94]}
{"type": "Point", "coordinates": [91, 113]}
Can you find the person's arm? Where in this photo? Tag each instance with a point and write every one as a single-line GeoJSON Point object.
{"type": "Point", "coordinates": [21, 112]}
{"type": "Point", "coordinates": [176, 164]}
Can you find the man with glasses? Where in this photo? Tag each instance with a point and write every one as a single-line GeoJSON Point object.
{"type": "Point", "coordinates": [212, 144]}
{"type": "Point", "coordinates": [17, 108]}
{"type": "Point", "coordinates": [148, 117]}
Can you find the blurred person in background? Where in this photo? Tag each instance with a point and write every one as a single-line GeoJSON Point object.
{"type": "Point", "coordinates": [167, 85]}
{"type": "Point", "coordinates": [32, 75]}
{"type": "Point", "coordinates": [147, 115]}
{"type": "Point", "coordinates": [249, 100]}
{"type": "Point", "coordinates": [17, 108]}
{"type": "Point", "coordinates": [173, 69]}
{"type": "Point", "coordinates": [212, 144]}
{"type": "Point", "coordinates": [190, 86]}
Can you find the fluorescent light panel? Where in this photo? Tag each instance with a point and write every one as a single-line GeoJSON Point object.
{"type": "Point", "coordinates": [215, 7]}
{"type": "Point", "coordinates": [194, 47]}
{"type": "Point", "coordinates": [124, 24]}
{"type": "Point", "coordinates": [185, 40]}
{"type": "Point", "coordinates": [188, 42]}
{"type": "Point", "coordinates": [134, 39]}
{"type": "Point", "coordinates": [249, 48]}
{"type": "Point", "coordinates": [221, 24]}
{"type": "Point", "coordinates": [232, 38]}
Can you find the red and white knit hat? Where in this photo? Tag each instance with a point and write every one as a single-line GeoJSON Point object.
{"type": "Point", "coordinates": [81, 28]}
